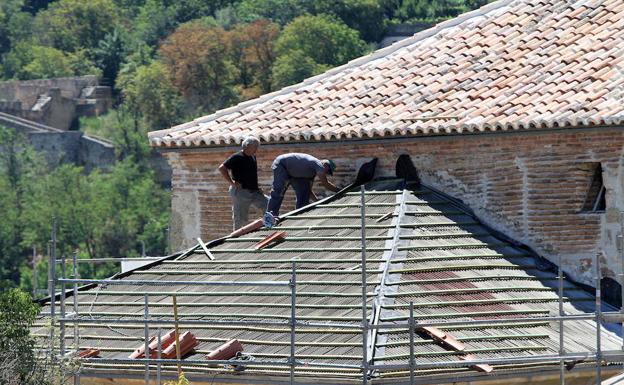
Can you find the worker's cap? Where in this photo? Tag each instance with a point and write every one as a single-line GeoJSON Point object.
{"type": "Point", "coordinates": [331, 164]}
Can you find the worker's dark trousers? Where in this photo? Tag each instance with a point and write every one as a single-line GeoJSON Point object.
{"type": "Point", "coordinates": [281, 179]}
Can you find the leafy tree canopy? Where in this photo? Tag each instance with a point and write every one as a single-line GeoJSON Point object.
{"type": "Point", "coordinates": [28, 61]}
{"type": "Point", "coordinates": [323, 38]}
{"type": "Point", "coordinates": [196, 56]}
{"type": "Point", "coordinates": [71, 25]}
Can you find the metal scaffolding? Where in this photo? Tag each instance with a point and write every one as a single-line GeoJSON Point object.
{"type": "Point", "coordinates": [366, 328]}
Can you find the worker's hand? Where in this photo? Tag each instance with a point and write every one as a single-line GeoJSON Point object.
{"type": "Point", "coordinates": [236, 185]}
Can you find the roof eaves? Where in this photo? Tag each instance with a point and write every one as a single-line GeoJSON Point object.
{"type": "Point", "coordinates": [156, 137]}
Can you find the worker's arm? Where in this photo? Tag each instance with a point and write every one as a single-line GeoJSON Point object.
{"type": "Point", "coordinates": [326, 183]}
{"type": "Point", "coordinates": [226, 175]}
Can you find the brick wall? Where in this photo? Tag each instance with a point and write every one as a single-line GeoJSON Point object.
{"type": "Point", "coordinates": [529, 185]}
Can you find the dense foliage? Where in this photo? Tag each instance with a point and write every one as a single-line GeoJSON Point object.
{"type": "Point", "coordinates": [102, 214]}
{"type": "Point", "coordinates": [168, 61]}
{"type": "Point", "coordinates": [19, 364]}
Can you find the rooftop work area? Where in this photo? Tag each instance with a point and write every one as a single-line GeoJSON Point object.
{"type": "Point", "coordinates": [396, 283]}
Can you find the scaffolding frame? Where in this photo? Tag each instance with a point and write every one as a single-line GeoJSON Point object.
{"type": "Point", "coordinates": [365, 327]}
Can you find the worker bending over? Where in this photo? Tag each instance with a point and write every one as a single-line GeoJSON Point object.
{"type": "Point", "coordinates": [244, 189]}
{"type": "Point", "coordinates": [298, 170]}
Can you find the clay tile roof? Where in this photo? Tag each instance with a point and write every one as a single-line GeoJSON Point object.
{"type": "Point", "coordinates": [511, 65]}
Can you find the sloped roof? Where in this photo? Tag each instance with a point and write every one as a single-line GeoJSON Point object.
{"type": "Point", "coordinates": [511, 65]}
{"type": "Point", "coordinates": [421, 247]}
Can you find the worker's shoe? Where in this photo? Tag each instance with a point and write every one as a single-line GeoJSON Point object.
{"type": "Point", "coordinates": [269, 220]}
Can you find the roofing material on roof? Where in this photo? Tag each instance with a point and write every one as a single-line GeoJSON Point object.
{"type": "Point", "coordinates": [511, 65]}
{"type": "Point", "coordinates": [449, 271]}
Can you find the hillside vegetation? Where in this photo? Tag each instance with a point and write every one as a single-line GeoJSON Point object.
{"type": "Point", "coordinates": [168, 61]}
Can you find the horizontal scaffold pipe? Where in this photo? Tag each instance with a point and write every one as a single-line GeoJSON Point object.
{"type": "Point", "coordinates": [264, 329]}
{"type": "Point", "coordinates": [224, 294]}
{"type": "Point", "coordinates": [298, 250]}
{"type": "Point", "coordinates": [224, 304]}
{"type": "Point", "coordinates": [267, 261]}
{"type": "Point", "coordinates": [264, 272]}
{"type": "Point", "coordinates": [142, 361]}
{"type": "Point", "coordinates": [313, 239]}
{"type": "Point", "coordinates": [219, 321]}
{"type": "Point", "coordinates": [466, 314]}
{"type": "Point", "coordinates": [221, 315]}
{"type": "Point", "coordinates": [135, 282]}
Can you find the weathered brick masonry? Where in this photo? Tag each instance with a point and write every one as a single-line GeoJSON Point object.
{"type": "Point", "coordinates": [529, 185]}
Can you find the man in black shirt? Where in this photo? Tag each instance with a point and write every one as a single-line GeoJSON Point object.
{"type": "Point", "coordinates": [243, 182]}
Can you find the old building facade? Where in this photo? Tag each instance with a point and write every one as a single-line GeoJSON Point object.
{"type": "Point", "coordinates": [516, 109]}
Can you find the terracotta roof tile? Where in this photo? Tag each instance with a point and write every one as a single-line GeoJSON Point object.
{"type": "Point", "coordinates": [510, 65]}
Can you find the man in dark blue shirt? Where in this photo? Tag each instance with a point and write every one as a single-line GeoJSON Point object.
{"type": "Point", "coordinates": [244, 189]}
{"type": "Point", "coordinates": [298, 170]}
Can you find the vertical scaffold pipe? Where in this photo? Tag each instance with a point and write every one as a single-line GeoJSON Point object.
{"type": "Point", "coordinates": [147, 342]}
{"type": "Point", "coordinates": [561, 325]}
{"type": "Point", "coordinates": [177, 334]}
{"type": "Point", "coordinates": [52, 286]}
{"type": "Point", "coordinates": [412, 362]}
{"type": "Point", "coordinates": [293, 319]}
{"type": "Point", "coordinates": [598, 324]}
{"type": "Point", "coordinates": [159, 356]}
{"type": "Point", "coordinates": [75, 300]}
{"type": "Point", "coordinates": [364, 312]}
{"type": "Point", "coordinates": [61, 320]}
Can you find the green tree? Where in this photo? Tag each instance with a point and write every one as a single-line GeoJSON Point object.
{"type": "Point", "coordinates": [293, 68]}
{"type": "Point", "coordinates": [17, 346]}
{"type": "Point", "coordinates": [20, 167]}
{"type": "Point", "coordinates": [149, 93]}
{"type": "Point", "coordinates": [411, 10]}
{"type": "Point", "coordinates": [279, 11]}
{"type": "Point", "coordinates": [70, 25]}
{"type": "Point", "coordinates": [110, 53]}
{"type": "Point", "coordinates": [323, 38]}
{"type": "Point", "coordinates": [28, 61]}
{"type": "Point", "coordinates": [366, 16]}
{"type": "Point", "coordinates": [196, 56]}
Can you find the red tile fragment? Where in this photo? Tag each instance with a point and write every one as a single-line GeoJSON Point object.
{"type": "Point", "coordinates": [274, 237]}
{"type": "Point", "coordinates": [483, 368]}
{"type": "Point", "coordinates": [443, 338]}
{"type": "Point", "coordinates": [167, 346]}
{"type": "Point", "coordinates": [225, 351]}
{"type": "Point", "coordinates": [89, 353]}
{"type": "Point", "coordinates": [188, 342]}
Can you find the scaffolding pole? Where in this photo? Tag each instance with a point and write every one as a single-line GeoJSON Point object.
{"type": "Point", "coordinates": [52, 284]}
{"type": "Point", "coordinates": [561, 324]}
{"type": "Point", "coordinates": [364, 297]}
{"type": "Point", "coordinates": [75, 301]}
{"type": "Point", "coordinates": [293, 320]}
{"type": "Point", "coordinates": [146, 333]}
{"type": "Point", "coordinates": [598, 322]}
{"type": "Point", "coordinates": [411, 342]}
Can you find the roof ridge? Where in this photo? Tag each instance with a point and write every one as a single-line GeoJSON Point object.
{"type": "Point", "coordinates": [382, 52]}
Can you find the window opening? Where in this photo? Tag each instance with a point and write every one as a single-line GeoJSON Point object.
{"type": "Point", "coordinates": [595, 201]}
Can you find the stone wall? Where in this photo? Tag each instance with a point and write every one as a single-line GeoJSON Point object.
{"type": "Point", "coordinates": [529, 185]}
